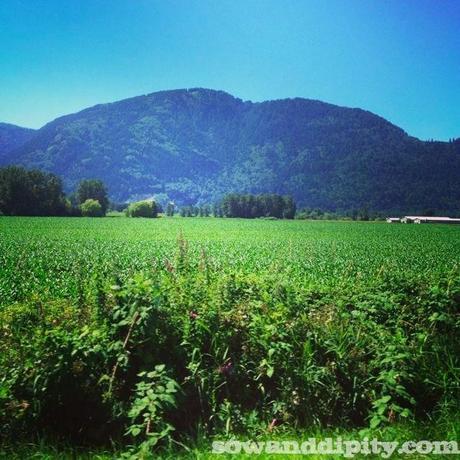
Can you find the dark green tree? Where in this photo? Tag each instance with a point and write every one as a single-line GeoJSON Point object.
{"type": "Point", "coordinates": [30, 192]}
{"type": "Point", "coordinates": [217, 210]}
{"type": "Point", "coordinates": [251, 206]}
{"type": "Point", "coordinates": [289, 207]}
{"type": "Point", "coordinates": [93, 189]}
{"type": "Point", "coordinates": [170, 209]}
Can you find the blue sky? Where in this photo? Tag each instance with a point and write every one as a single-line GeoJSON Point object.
{"type": "Point", "coordinates": [399, 59]}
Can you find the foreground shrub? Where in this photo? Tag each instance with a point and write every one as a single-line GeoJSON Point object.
{"type": "Point", "coordinates": [91, 208]}
{"type": "Point", "coordinates": [142, 209]}
{"type": "Point", "coordinates": [185, 346]}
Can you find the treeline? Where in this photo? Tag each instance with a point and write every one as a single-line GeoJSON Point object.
{"type": "Point", "coordinates": [200, 211]}
{"type": "Point", "coordinates": [245, 206]}
{"type": "Point", "coordinates": [218, 210]}
{"type": "Point", "coordinates": [31, 192]}
{"type": "Point", "coordinates": [252, 206]}
{"type": "Point", "coordinates": [362, 214]}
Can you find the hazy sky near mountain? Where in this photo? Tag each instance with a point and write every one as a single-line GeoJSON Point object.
{"type": "Point", "coordinates": [399, 59]}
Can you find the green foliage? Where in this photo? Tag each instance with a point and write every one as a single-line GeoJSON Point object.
{"type": "Point", "coordinates": [12, 137]}
{"type": "Point", "coordinates": [196, 211]}
{"type": "Point", "coordinates": [353, 214]}
{"type": "Point", "coordinates": [245, 327]}
{"type": "Point", "coordinates": [95, 190]}
{"type": "Point", "coordinates": [142, 209]}
{"type": "Point", "coordinates": [91, 208]}
{"type": "Point", "coordinates": [30, 193]}
{"type": "Point", "coordinates": [170, 209]}
{"type": "Point", "coordinates": [250, 206]}
{"type": "Point", "coordinates": [154, 395]}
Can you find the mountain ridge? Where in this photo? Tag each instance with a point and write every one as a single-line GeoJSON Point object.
{"type": "Point", "coordinates": [195, 145]}
{"type": "Point", "coordinates": [13, 136]}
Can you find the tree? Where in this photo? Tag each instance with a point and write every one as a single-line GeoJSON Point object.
{"type": "Point", "coordinates": [363, 214]}
{"type": "Point", "coordinates": [289, 207]}
{"type": "Point", "coordinates": [93, 189]}
{"type": "Point", "coordinates": [217, 210]}
{"type": "Point", "coordinates": [170, 209]}
{"type": "Point", "coordinates": [91, 208]}
{"type": "Point", "coordinates": [26, 192]}
{"type": "Point", "coordinates": [142, 209]}
{"type": "Point", "coordinates": [251, 206]}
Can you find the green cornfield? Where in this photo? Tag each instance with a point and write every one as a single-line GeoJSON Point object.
{"type": "Point", "coordinates": [149, 333]}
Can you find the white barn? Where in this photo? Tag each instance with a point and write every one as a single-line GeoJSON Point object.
{"type": "Point", "coordinates": [429, 220]}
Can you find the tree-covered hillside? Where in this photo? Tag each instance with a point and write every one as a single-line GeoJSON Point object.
{"type": "Point", "coordinates": [12, 137]}
{"type": "Point", "coordinates": [197, 145]}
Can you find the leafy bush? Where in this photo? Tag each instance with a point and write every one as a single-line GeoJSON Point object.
{"type": "Point", "coordinates": [91, 208]}
{"type": "Point", "coordinates": [355, 358]}
{"type": "Point", "coordinates": [154, 396]}
{"type": "Point", "coordinates": [142, 209]}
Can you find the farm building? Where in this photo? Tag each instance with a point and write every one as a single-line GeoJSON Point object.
{"type": "Point", "coordinates": [429, 220]}
{"type": "Point", "coordinates": [393, 220]}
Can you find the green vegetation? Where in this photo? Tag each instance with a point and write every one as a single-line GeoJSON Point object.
{"type": "Point", "coordinates": [142, 209]}
{"type": "Point", "coordinates": [195, 146]}
{"type": "Point", "coordinates": [12, 137]}
{"type": "Point", "coordinates": [251, 206]}
{"type": "Point", "coordinates": [353, 214]}
{"type": "Point", "coordinates": [146, 333]}
{"type": "Point", "coordinates": [30, 193]}
{"type": "Point", "coordinates": [170, 209]}
{"type": "Point", "coordinates": [199, 211]}
{"type": "Point", "coordinates": [91, 208]}
{"type": "Point", "coordinates": [93, 189]}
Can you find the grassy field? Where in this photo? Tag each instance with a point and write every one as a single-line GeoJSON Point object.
{"type": "Point", "coordinates": [261, 327]}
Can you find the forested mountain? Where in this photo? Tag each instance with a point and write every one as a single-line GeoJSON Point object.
{"type": "Point", "coordinates": [196, 145]}
{"type": "Point", "coordinates": [13, 137]}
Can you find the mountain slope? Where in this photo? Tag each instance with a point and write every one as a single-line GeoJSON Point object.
{"type": "Point", "coordinates": [13, 137]}
{"type": "Point", "coordinates": [194, 145]}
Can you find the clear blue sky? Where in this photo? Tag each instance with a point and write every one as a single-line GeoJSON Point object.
{"type": "Point", "coordinates": [399, 59]}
